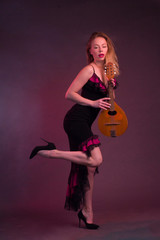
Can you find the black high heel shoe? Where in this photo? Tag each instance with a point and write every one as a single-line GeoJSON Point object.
{"type": "Point", "coordinates": [88, 225]}
{"type": "Point", "coordinates": [50, 146]}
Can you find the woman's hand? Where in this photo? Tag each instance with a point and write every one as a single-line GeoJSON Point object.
{"type": "Point", "coordinates": [102, 103]}
{"type": "Point", "coordinates": [113, 82]}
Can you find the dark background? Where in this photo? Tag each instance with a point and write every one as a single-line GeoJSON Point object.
{"type": "Point", "coordinates": [42, 48]}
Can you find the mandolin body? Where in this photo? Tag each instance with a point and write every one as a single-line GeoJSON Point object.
{"type": "Point", "coordinates": [112, 123]}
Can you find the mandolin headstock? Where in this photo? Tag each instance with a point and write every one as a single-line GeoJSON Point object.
{"type": "Point", "coordinates": [110, 70]}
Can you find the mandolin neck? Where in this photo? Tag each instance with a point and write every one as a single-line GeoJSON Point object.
{"type": "Point", "coordinates": [111, 95]}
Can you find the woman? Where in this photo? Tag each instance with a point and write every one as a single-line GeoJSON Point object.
{"type": "Point", "coordinates": [85, 153]}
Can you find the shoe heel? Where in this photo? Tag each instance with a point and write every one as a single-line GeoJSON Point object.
{"type": "Point", "coordinates": [50, 146]}
{"type": "Point", "coordinates": [44, 140]}
{"type": "Point", "coordinates": [88, 225]}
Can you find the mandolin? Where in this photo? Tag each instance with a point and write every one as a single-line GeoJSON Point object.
{"type": "Point", "coordinates": [112, 122]}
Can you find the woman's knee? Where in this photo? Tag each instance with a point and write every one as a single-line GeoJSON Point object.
{"type": "Point", "coordinates": [95, 162]}
{"type": "Point", "coordinates": [99, 161]}
{"type": "Point", "coordinates": [96, 157]}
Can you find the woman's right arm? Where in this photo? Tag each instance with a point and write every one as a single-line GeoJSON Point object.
{"type": "Point", "coordinates": [77, 84]}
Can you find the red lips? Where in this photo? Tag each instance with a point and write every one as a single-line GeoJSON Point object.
{"type": "Point", "coordinates": [101, 55]}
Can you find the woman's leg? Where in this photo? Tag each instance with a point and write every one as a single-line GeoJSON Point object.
{"type": "Point", "coordinates": [77, 157]}
{"type": "Point", "coordinates": [87, 206]}
{"type": "Point", "coordinates": [81, 158]}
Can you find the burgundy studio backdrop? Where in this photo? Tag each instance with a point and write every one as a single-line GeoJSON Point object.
{"type": "Point", "coordinates": [42, 50]}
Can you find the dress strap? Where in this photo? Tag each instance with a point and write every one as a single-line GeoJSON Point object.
{"type": "Point", "coordinates": [93, 68]}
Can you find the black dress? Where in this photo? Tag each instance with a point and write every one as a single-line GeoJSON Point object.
{"type": "Point", "coordinates": [77, 125]}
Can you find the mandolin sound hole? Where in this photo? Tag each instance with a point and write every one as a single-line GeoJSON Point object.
{"type": "Point", "coordinates": [112, 113]}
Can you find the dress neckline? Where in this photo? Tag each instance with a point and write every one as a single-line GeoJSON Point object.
{"type": "Point", "coordinates": [97, 76]}
{"type": "Point", "coordinates": [99, 79]}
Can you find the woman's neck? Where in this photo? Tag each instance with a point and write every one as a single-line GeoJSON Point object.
{"type": "Point", "coordinates": [99, 64]}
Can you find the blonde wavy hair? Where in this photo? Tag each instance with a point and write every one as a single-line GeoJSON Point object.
{"type": "Point", "coordinates": [111, 55]}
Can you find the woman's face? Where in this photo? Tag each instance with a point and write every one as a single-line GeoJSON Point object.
{"type": "Point", "coordinates": [99, 49]}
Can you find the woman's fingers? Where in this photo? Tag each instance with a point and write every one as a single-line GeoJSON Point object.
{"type": "Point", "coordinates": [113, 82]}
{"type": "Point", "coordinates": [104, 104]}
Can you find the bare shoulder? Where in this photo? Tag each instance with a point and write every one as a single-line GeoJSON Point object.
{"type": "Point", "coordinates": [80, 80]}
{"type": "Point", "coordinates": [87, 71]}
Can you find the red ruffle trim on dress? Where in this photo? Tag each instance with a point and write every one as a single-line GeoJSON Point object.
{"type": "Point", "coordinates": [98, 83]}
{"type": "Point", "coordinates": [89, 144]}
{"type": "Point", "coordinates": [73, 184]}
